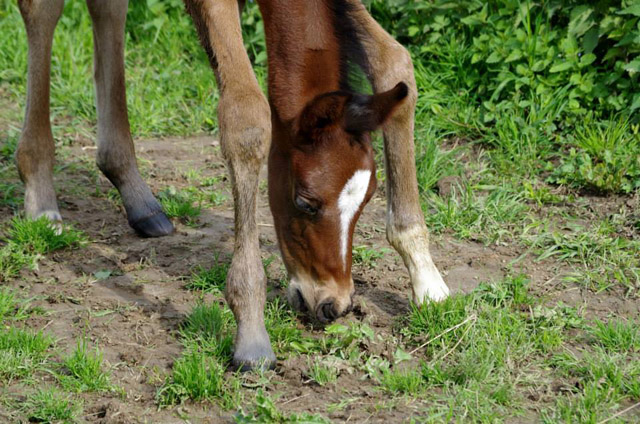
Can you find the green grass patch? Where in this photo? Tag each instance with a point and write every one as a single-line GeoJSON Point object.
{"type": "Point", "coordinates": [199, 373]}
{"type": "Point", "coordinates": [40, 236]}
{"type": "Point", "coordinates": [604, 157]}
{"type": "Point", "coordinates": [476, 348]}
{"type": "Point", "coordinates": [265, 411]}
{"type": "Point", "coordinates": [198, 376]}
{"type": "Point", "coordinates": [600, 257]}
{"type": "Point", "coordinates": [210, 328]}
{"type": "Point", "coordinates": [405, 382]}
{"type": "Point", "coordinates": [616, 335]}
{"type": "Point", "coordinates": [52, 406]}
{"type": "Point", "coordinates": [321, 373]}
{"type": "Point", "coordinates": [367, 256]}
{"type": "Point", "coordinates": [82, 371]}
{"type": "Point", "coordinates": [488, 217]}
{"type": "Point", "coordinates": [181, 205]}
{"type": "Point", "coordinates": [22, 353]}
{"type": "Point", "coordinates": [210, 280]}
{"type": "Point", "coordinates": [596, 384]}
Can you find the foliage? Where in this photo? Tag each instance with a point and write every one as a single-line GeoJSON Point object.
{"type": "Point", "coordinates": [521, 52]}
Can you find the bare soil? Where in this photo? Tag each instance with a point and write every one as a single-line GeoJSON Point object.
{"type": "Point", "coordinates": [133, 314]}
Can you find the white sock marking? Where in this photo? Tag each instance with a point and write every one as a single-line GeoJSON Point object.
{"type": "Point", "coordinates": [349, 202]}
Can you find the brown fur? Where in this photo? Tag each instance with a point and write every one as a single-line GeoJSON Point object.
{"type": "Point", "coordinates": [306, 59]}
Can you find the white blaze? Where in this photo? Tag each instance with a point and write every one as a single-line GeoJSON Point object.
{"type": "Point", "coordinates": [349, 202]}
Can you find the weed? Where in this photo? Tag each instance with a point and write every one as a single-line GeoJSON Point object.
{"type": "Point", "coordinates": [180, 204]}
{"type": "Point", "coordinates": [605, 157]}
{"type": "Point", "coordinates": [210, 280]}
{"type": "Point", "coordinates": [616, 335]}
{"type": "Point", "coordinates": [321, 373]}
{"type": "Point", "coordinates": [282, 326]}
{"type": "Point", "coordinates": [367, 256]}
{"type": "Point", "coordinates": [407, 382]}
{"type": "Point", "coordinates": [40, 236]}
{"type": "Point", "coordinates": [605, 380]}
{"type": "Point", "coordinates": [209, 327]}
{"type": "Point", "coordinates": [198, 376]}
{"type": "Point", "coordinates": [82, 371]}
{"type": "Point", "coordinates": [486, 218]}
{"type": "Point", "coordinates": [51, 406]}
{"type": "Point", "coordinates": [267, 412]}
{"type": "Point", "coordinates": [22, 352]}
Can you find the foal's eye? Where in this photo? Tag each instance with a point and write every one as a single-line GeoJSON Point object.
{"type": "Point", "coordinates": [304, 205]}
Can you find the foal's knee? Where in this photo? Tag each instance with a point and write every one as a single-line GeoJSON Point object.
{"type": "Point", "coordinates": [395, 65]}
{"type": "Point", "coordinates": [245, 127]}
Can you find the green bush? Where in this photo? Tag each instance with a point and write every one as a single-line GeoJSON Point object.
{"type": "Point", "coordinates": [579, 55]}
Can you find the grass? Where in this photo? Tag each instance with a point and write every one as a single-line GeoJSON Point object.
{"type": "Point", "coordinates": [29, 239]}
{"type": "Point", "coordinates": [199, 373]}
{"type": "Point", "coordinates": [180, 204]}
{"type": "Point", "coordinates": [210, 280]}
{"type": "Point", "coordinates": [367, 256]}
{"type": "Point", "coordinates": [22, 353]}
{"type": "Point", "coordinates": [522, 178]}
{"type": "Point", "coordinates": [321, 373]}
{"type": "Point", "coordinates": [52, 406]}
{"type": "Point", "coordinates": [265, 411]}
{"type": "Point", "coordinates": [82, 370]}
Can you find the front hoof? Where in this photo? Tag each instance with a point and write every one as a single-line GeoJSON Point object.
{"type": "Point", "coordinates": [429, 287]}
{"type": "Point", "coordinates": [254, 358]}
{"type": "Point", "coordinates": [156, 225]}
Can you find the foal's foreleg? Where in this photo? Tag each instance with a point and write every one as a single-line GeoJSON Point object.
{"type": "Point", "coordinates": [406, 229]}
{"type": "Point", "coordinates": [245, 131]}
{"type": "Point", "coordinates": [116, 156]}
{"type": "Point", "coordinates": [35, 153]}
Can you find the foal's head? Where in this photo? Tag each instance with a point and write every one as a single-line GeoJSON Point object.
{"type": "Point", "coordinates": [319, 182]}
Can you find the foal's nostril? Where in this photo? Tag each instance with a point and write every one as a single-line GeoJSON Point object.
{"type": "Point", "coordinates": [301, 304]}
{"type": "Point", "coordinates": [326, 312]}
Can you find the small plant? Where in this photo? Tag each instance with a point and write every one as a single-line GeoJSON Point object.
{"type": "Point", "coordinates": [40, 236]}
{"type": "Point", "coordinates": [196, 375]}
{"type": "Point", "coordinates": [51, 406]}
{"type": "Point", "coordinates": [209, 327]}
{"type": "Point", "coordinates": [616, 335]}
{"type": "Point", "coordinates": [322, 373]}
{"type": "Point", "coordinates": [22, 352]}
{"type": "Point", "coordinates": [604, 157]}
{"type": "Point", "coordinates": [210, 280]}
{"type": "Point", "coordinates": [282, 326]}
{"type": "Point", "coordinates": [367, 256]}
{"type": "Point", "coordinates": [407, 382]}
{"type": "Point", "coordinates": [82, 371]}
{"type": "Point", "coordinates": [10, 195]}
{"type": "Point", "coordinates": [267, 412]}
{"type": "Point", "coordinates": [180, 204]}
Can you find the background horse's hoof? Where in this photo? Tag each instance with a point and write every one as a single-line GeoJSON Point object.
{"type": "Point", "coordinates": [258, 358]}
{"type": "Point", "coordinates": [156, 225]}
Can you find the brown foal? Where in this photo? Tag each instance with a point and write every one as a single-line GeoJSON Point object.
{"type": "Point", "coordinates": [321, 165]}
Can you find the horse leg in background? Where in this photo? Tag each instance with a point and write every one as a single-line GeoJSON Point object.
{"type": "Point", "coordinates": [245, 131]}
{"type": "Point", "coordinates": [116, 155]}
{"type": "Point", "coordinates": [406, 229]}
{"type": "Point", "coordinates": [36, 150]}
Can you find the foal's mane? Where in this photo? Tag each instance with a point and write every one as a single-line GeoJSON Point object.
{"type": "Point", "coordinates": [355, 69]}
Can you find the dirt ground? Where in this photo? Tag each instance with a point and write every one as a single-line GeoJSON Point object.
{"type": "Point", "coordinates": [133, 314]}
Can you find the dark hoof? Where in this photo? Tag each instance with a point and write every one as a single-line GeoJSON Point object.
{"type": "Point", "coordinates": [156, 225]}
{"type": "Point", "coordinates": [260, 359]}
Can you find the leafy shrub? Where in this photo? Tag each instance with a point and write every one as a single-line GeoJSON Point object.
{"type": "Point", "coordinates": [579, 55]}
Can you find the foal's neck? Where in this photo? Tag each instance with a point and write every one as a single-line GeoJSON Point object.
{"type": "Point", "coordinates": [303, 51]}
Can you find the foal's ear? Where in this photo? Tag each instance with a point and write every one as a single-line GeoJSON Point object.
{"type": "Point", "coordinates": [366, 113]}
{"type": "Point", "coordinates": [321, 112]}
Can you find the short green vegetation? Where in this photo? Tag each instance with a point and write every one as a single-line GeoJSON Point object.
{"type": "Point", "coordinates": [82, 370]}
{"type": "Point", "coordinates": [28, 239]}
